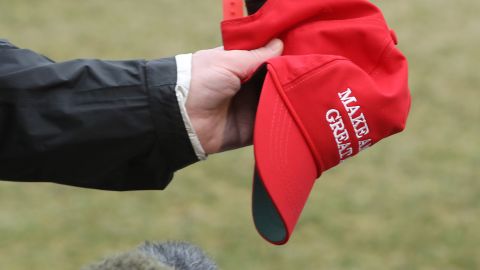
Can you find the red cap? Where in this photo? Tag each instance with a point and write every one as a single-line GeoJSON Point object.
{"type": "Point", "coordinates": [340, 87]}
{"type": "Point", "coordinates": [232, 9]}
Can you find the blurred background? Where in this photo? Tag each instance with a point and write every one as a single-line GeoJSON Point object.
{"type": "Point", "coordinates": [411, 203]}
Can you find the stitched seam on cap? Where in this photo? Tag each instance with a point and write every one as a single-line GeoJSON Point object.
{"type": "Point", "coordinates": [312, 73]}
{"type": "Point", "coordinates": [297, 121]}
{"type": "Point", "coordinates": [385, 49]}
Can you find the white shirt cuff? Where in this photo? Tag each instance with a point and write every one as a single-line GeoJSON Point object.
{"type": "Point", "coordinates": [184, 74]}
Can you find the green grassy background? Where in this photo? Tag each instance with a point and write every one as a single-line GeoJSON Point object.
{"type": "Point", "coordinates": [411, 203]}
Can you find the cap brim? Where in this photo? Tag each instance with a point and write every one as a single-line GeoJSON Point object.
{"type": "Point", "coordinates": [285, 169]}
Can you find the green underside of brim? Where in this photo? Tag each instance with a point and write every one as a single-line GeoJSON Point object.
{"type": "Point", "coordinates": [265, 215]}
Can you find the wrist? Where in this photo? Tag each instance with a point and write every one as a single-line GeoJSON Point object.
{"type": "Point", "coordinates": [204, 125]}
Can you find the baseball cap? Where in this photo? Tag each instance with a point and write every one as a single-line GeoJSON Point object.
{"type": "Point", "coordinates": [340, 87]}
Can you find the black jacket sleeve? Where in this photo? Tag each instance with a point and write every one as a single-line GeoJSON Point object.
{"type": "Point", "coordinates": [112, 125]}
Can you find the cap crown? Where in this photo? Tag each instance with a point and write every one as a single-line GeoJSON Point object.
{"type": "Point", "coordinates": [344, 80]}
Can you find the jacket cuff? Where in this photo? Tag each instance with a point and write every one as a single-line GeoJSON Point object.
{"type": "Point", "coordinates": [174, 142]}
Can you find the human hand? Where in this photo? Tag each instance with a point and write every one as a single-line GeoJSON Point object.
{"type": "Point", "coordinates": [221, 115]}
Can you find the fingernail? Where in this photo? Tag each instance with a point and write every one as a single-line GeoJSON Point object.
{"type": "Point", "coordinates": [275, 44]}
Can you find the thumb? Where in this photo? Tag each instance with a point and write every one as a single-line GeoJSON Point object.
{"type": "Point", "coordinates": [272, 49]}
{"type": "Point", "coordinates": [246, 62]}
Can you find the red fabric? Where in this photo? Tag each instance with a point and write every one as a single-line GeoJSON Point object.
{"type": "Point", "coordinates": [340, 86]}
{"type": "Point", "coordinates": [232, 9]}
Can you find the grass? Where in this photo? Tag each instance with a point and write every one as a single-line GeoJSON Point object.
{"type": "Point", "coordinates": [412, 203]}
